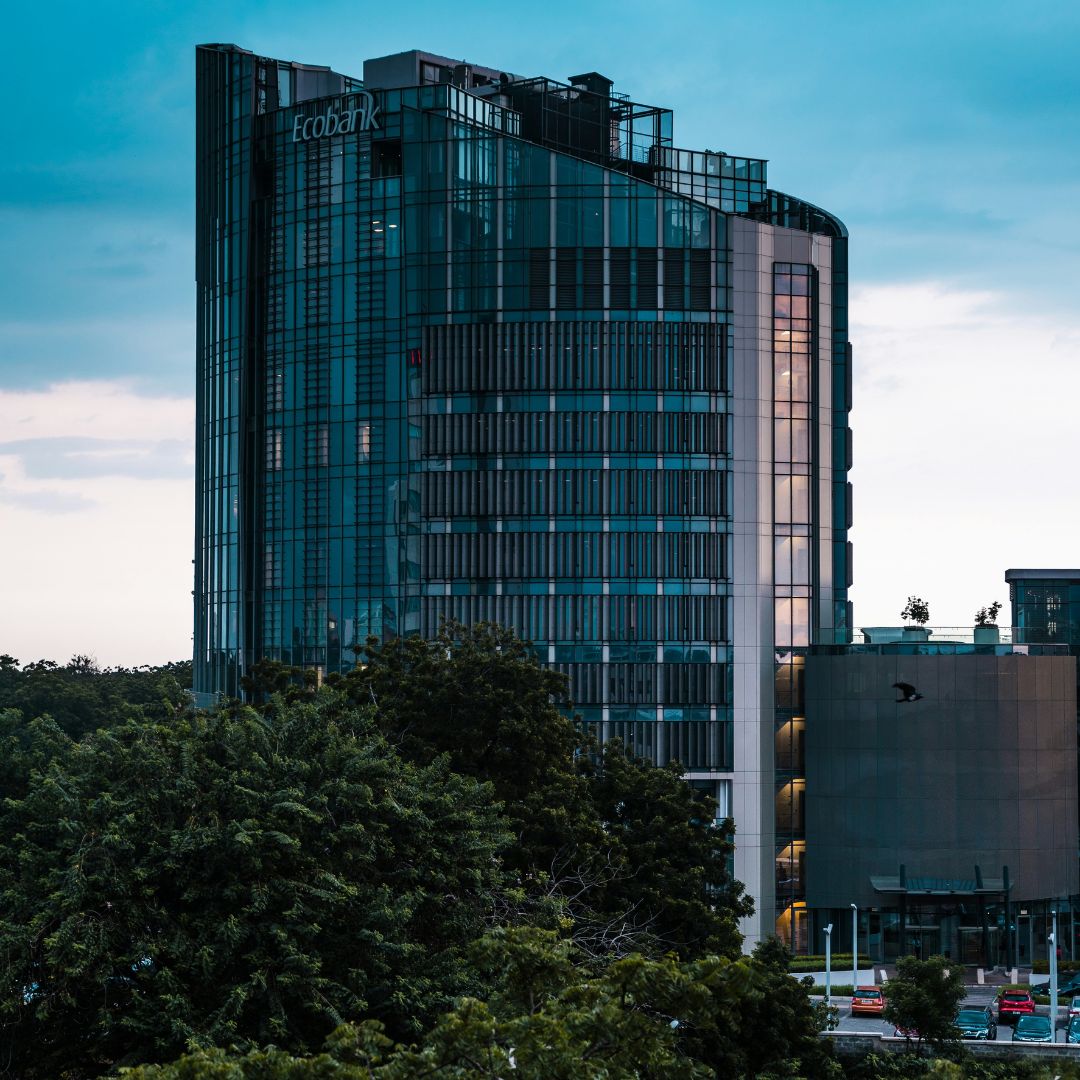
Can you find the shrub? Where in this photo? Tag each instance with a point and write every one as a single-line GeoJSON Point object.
{"type": "Point", "coordinates": [1042, 967]}
{"type": "Point", "coordinates": [816, 962]}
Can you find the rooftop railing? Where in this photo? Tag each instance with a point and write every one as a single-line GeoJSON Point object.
{"type": "Point", "coordinates": [941, 640]}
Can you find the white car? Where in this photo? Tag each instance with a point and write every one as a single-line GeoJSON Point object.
{"type": "Point", "coordinates": [1074, 1007]}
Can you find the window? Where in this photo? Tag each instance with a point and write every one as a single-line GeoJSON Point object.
{"type": "Point", "coordinates": [385, 158]}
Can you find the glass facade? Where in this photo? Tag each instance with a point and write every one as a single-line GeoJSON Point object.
{"type": "Point", "coordinates": [1046, 610]}
{"type": "Point", "coordinates": [476, 357]}
{"type": "Point", "coordinates": [1046, 606]}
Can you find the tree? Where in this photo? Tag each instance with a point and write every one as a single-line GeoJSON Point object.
{"type": "Point", "coordinates": [547, 1019]}
{"type": "Point", "coordinates": [551, 1019]}
{"type": "Point", "coordinates": [628, 850]}
{"type": "Point", "coordinates": [257, 875]}
{"type": "Point", "coordinates": [479, 695]}
{"type": "Point", "coordinates": [987, 616]}
{"type": "Point", "coordinates": [770, 1029]}
{"type": "Point", "coordinates": [236, 878]}
{"type": "Point", "coordinates": [82, 697]}
{"type": "Point", "coordinates": [676, 885]}
{"type": "Point", "coordinates": [25, 749]}
{"type": "Point", "coordinates": [923, 997]}
{"type": "Point", "coordinates": [551, 1016]}
{"type": "Point", "coordinates": [916, 610]}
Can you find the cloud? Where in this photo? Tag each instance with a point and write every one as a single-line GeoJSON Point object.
{"type": "Point", "coordinates": [964, 445]}
{"type": "Point", "coordinates": [96, 501]}
{"type": "Point", "coordinates": [46, 502]}
{"type": "Point", "coordinates": [98, 409]}
{"type": "Point", "coordinates": [65, 457]}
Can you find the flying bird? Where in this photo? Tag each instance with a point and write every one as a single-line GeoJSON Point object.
{"type": "Point", "coordinates": [907, 692]}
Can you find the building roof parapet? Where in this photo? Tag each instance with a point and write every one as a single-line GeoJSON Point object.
{"type": "Point", "coordinates": [789, 212]}
{"type": "Point", "coordinates": [1041, 575]}
{"type": "Point", "coordinates": [945, 635]}
{"type": "Point", "coordinates": [584, 118]}
{"type": "Point", "coordinates": [464, 105]}
{"type": "Point", "coordinates": [734, 185]}
{"type": "Point", "coordinates": [943, 648]}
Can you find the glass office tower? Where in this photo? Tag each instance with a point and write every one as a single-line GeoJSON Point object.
{"type": "Point", "coordinates": [487, 347]}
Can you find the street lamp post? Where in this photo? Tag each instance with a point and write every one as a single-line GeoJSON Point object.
{"type": "Point", "coordinates": [854, 946]}
{"type": "Point", "coordinates": [1052, 942]}
{"type": "Point", "coordinates": [828, 966]}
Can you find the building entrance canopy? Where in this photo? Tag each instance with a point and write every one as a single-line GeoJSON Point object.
{"type": "Point", "coordinates": [917, 887]}
{"type": "Point", "coordinates": [963, 918]}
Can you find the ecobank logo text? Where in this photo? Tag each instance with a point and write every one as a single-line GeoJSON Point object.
{"type": "Point", "coordinates": [362, 118]}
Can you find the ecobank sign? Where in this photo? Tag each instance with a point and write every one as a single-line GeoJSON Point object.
{"type": "Point", "coordinates": [345, 122]}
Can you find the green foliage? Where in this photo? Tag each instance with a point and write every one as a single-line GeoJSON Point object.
{"type": "Point", "coordinates": [426, 850]}
{"type": "Point", "coordinates": [26, 748]}
{"type": "Point", "coordinates": [352, 1051]}
{"type": "Point", "coordinates": [234, 879]}
{"type": "Point", "coordinates": [817, 963]}
{"type": "Point", "coordinates": [770, 1029]}
{"type": "Point", "coordinates": [987, 616]}
{"type": "Point", "coordinates": [632, 855]}
{"type": "Point", "coordinates": [1042, 967]}
{"type": "Point", "coordinates": [916, 610]}
{"type": "Point", "coordinates": [548, 1018]}
{"type": "Point", "coordinates": [480, 696]}
{"type": "Point", "coordinates": [81, 697]}
{"type": "Point", "coordinates": [923, 996]}
{"type": "Point", "coordinates": [673, 857]}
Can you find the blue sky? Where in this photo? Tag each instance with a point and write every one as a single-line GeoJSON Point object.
{"type": "Point", "coordinates": [945, 134]}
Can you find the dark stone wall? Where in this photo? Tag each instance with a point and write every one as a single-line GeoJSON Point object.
{"type": "Point", "coordinates": [850, 1045]}
{"type": "Point", "coordinates": [982, 770]}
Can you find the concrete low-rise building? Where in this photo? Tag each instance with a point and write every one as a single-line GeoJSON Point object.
{"type": "Point", "coordinates": [941, 795]}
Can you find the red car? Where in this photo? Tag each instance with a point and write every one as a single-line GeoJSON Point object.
{"type": "Point", "coordinates": [1014, 1003]}
{"type": "Point", "coordinates": [867, 1001]}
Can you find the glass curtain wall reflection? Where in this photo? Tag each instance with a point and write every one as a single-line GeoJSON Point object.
{"type": "Point", "coordinates": [468, 353]}
{"type": "Point", "coordinates": [794, 341]}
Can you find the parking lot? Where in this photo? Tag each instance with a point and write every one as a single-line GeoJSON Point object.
{"type": "Point", "coordinates": [977, 996]}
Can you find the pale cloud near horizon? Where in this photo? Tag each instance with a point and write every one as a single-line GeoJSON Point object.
{"type": "Point", "coordinates": [96, 497]}
{"type": "Point", "coordinates": [102, 409]}
{"type": "Point", "coordinates": [965, 447]}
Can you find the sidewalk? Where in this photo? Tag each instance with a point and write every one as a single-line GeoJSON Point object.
{"type": "Point", "coordinates": [991, 977]}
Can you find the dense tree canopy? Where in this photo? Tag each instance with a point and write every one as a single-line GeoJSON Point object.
{"type": "Point", "coordinates": [234, 878]}
{"type": "Point", "coordinates": [427, 854]}
{"type": "Point", "coordinates": [632, 849]}
{"type": "Point", "coordinates": [479, 696]}
{"type": "Point", "coordinates": [82, 697]}
{"type": "Point", "coordinates": [549, 1017]}
{"type": "Point", "coordinates": [675, 881]}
